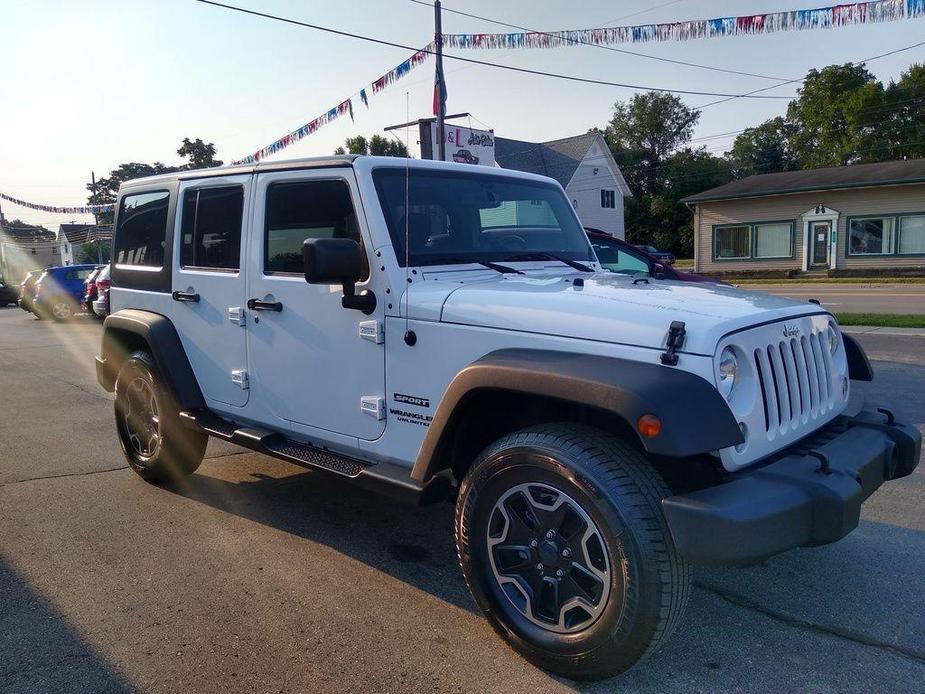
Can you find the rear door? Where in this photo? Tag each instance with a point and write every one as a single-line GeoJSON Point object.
{"type": "Point", "coordinates": [208, 286]}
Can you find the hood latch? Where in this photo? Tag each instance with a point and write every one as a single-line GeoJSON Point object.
{"type": "Point", "coordinates": [674, 341]}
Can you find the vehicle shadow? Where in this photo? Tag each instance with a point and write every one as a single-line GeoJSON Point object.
{"type": "Point", "coordinates": [412, 544]}
{"type": "Point", "coordinates": [41, 651]}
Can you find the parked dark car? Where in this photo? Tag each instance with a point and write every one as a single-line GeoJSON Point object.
{"type": "Point", "coordinates": [619, 256]}
{"type": "Point", "coordinates": [27, 289]}
{"type": "Point", "coordinates": [59, 292]}
{"type": "Point", "coordinates": [661, 256]}
{"type": "Point", "coordinates": [8, 294]}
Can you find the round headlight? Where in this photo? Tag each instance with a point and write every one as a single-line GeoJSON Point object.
{"type": "Point", "coordinates": [728, 370]}
{"type": "Point", "coordinates": [832, 336]}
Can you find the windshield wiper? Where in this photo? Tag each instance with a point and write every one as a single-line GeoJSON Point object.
{"type": "Point", "coordinates": [546, 255]}
{"type": "Point", "coordinates": [503, 269]}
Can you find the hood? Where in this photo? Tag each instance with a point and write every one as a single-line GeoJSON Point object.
{"type": "Point", "coordinates": [608, 307]}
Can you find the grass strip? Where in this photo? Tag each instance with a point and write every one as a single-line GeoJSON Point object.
{"type": "Point", "coordinates": [832, 280]}
{"type": "Point", "coordinates": [882, 320]}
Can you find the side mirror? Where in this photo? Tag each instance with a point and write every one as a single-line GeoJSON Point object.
{"type": "Point", "coordinates": [332, 261]}
{"type": "Point", "coordinates": [658, 271]}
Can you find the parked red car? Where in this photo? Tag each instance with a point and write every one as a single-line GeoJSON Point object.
{"type": "Point", "coordinates": [90, 289]}
{"type": "Point", "coordinates": [619, 256]}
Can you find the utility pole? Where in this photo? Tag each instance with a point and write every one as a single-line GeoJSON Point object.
{"type": "Point", "coordinates": [439, 86]}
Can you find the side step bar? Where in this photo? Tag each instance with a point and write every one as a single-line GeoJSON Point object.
{"type": "Point", "coordinates": [387, 478]}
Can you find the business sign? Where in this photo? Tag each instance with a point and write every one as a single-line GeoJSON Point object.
{"type": "Point", "coordinates": [465, 145]}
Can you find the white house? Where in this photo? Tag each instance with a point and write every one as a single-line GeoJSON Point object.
{"type": "Point", "coordinates": [586, 169]}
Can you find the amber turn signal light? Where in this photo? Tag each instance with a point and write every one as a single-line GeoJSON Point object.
{"type": "Point", "coordinates": [649, 425]}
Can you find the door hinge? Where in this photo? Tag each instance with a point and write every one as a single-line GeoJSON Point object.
{"type": "Point", "coordinates": [373, 405]}
{"type": "Point", "coordinates": [237, 315]}
{"type": "Point", "coordinates": [239, 378]}
{"type": "Point", "coordinates": [373, 331]}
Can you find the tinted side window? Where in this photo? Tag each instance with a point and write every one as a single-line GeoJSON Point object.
{"type": "Point", "coordinates": [211, 232]}
{"type": "Point", "coordinates": [302, 210]}
{"type": "Point", "coordinates": [617, 259]}
{"type": "Point", "coordinates": [142, 229]}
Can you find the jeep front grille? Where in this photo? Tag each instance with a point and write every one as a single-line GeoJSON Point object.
{"type": "Point", "coordinates": [795, 378]}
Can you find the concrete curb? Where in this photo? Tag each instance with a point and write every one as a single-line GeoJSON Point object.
{"type": "Point", "coordinates": [876, 330]}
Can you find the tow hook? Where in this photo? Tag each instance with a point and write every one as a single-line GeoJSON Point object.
{"type": "Point", "coordinates": [890, 417]}
{"type": "Point", "coordinates": [673, 342]}
{"type": "Point", "coordinates": [823, 459]}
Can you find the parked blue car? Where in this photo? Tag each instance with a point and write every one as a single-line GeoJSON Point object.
{"type": "Point", "coordinates": [59, 292]}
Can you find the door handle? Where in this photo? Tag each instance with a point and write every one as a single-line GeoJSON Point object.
{"type": "Point", "coordinates": [258, 305]}
{"type": "Point", "coordinates": [186, 296]}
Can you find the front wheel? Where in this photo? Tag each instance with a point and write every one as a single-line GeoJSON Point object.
{"type": "Point", "coordinates": [564, 547]}
{"type": "Point", "coordinates": [154, 440]}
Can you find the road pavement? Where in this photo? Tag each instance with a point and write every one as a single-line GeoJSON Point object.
{"type": "Point", "coordinates": [257, 576]}
{"type": "Point", "coordinates": [853, 298]}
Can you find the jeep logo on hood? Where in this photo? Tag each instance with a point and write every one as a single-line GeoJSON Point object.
{"type": "Point", "coordinates": [791, 330]}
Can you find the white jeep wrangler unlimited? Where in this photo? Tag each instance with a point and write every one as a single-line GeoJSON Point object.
{"type": "Point", "coordinates": [443, 330]}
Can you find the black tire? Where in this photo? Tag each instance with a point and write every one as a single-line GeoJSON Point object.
{"type": "Point", "coordinates": [178, 450]}
{"type": "Point", "coordinates": [615, 487]}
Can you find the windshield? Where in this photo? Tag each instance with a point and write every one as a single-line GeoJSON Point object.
{"type": "Point", "coordinates": [462, 217]}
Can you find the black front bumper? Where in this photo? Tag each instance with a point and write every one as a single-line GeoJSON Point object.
{"type": "Point", "coordinates": [809, 495]}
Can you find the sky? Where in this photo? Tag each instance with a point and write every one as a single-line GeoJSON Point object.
{"type": "Point", "coordinates": [89, 85]}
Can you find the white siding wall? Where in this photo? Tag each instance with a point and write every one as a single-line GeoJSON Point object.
{"type": "Point", "coordinates": [584, 190]}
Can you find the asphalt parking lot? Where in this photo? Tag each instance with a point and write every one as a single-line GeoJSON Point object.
{"type": "Point", "coordinates": [256, 576]}
{"type": "Point", "coordinates": [853, 298]}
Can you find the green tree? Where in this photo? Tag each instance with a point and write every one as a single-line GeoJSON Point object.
{"type": "Point", "coordinates": [763, 149]}
{"type": "Point", "coordinates": [648, 137]}
{"type": "Point", "coordinates": [93, 252]}
{"type": "Point", "coordinates": [644, 131]}
{"type": "Point", "coordinates": [375, 145]}
{"type": "Point", "coordinates": [837, 118]}
{"type": "Point", "coordinates": [904, 126]}
{"type": "Point", "coordinates": [201, 155]}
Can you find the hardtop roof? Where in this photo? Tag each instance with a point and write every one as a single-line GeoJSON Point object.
{"type": "Point", "coordinates": [363, 163]}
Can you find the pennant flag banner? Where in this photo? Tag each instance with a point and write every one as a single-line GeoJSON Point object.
{"type": "Point", "coordinates": [80, 209]}
{"type": "Point", "coordinates": [343, 107]}
{"type": "Point", "coordinates": [793, 20]}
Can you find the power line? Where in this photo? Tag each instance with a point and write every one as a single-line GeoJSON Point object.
{"type": "Point", "coordinates": [774, 86]}
{"type": "Point", "coordinates": [511, 68]}
{"type": "Point", "coordinates": [597, 45]}
{"type": "Point", "coordinates": [643, 11]}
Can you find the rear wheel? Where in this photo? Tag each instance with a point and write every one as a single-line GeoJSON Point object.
{"type": "Point", "coordinates": [154, 440]}
{"type": "Point", "coordinates": [61, 309]}
{"type": "Point", "coordinates": [563, 544]}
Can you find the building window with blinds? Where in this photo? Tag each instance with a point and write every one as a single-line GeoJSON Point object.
{"type": "Point", "coordinates": [774, 240]}
{"type": "Point", "coordinates": [732, 242]}
{"type": "Point", "coordinates": [911, 235]}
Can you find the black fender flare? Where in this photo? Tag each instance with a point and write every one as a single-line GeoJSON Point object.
{"type": "Point", "coordinates": [859, 366]}
{"type": "Point", "coordinates": [131, 327]}
{"type": "Point", "coordinates": [695, 418]}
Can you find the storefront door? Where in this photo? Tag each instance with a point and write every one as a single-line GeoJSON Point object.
{"type": "Point", "coordinates": [820, 241]}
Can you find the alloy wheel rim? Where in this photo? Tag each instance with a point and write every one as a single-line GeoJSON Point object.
{"type": "Point", "coordinates": [60, 310]}
{"type": "Point", "coordinates": [549, 558]}
{"type": "Point", "coordinates": [141, 418]}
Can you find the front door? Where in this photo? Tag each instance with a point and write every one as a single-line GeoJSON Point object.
{"type": "Point", "coordinates": [820, 243]}
{"type": "Point", "coordinates": [208, 286]}
{"type": "Point", "coordinates": [310, 365]}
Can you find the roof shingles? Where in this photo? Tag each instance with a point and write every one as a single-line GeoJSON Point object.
{"type": "Point", "coordinates": [807, 180]}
